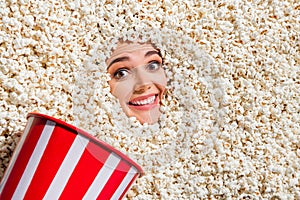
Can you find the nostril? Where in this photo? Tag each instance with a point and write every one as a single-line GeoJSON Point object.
{"type": "Point", "coordinates": [142, 88]}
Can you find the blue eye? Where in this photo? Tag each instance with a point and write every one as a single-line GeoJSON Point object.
{"type": "Point", "coordinates": [121, 73]}
{"type": "Point", "coordinates": [153, 66]}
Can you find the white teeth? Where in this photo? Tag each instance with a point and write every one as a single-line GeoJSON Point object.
{"type": "Point", "coordinates": [144, 102]}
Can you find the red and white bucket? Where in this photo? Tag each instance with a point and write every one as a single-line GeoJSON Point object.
{"type": "Point", "coordinates": [55, 160]}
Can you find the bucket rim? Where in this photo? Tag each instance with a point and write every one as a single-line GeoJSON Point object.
{"type": "Point", "coordinates": [88, 136]}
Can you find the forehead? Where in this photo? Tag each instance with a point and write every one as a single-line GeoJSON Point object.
{"type": "Point", "coordinates": [127, 48]}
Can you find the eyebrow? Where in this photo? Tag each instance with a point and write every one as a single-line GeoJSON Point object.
{"type": "Point", "coordinates": [150, 53]}
{"type": "Point", "coordinates": [126, 58]}
{"type": "Point", "coordinates": [121, 59]}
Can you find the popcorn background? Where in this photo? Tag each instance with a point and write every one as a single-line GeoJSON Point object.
{"type": "Point", "coordinates": [230, 125]}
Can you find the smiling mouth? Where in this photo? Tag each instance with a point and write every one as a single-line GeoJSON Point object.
{"type": "Point", "coordinates": [150, 100]}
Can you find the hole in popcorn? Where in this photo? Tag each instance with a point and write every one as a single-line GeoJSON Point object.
{"type": "Point", "coordinates": [134, 95]}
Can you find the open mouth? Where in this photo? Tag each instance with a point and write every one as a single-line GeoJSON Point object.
{"type": "Point", "coordinates": [144, 103]}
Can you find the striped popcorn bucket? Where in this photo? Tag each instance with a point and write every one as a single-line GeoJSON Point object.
{"type": "Point", "coordinates": [55, 160]}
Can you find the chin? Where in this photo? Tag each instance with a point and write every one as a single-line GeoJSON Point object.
{"type": "Point", "coordinates": [149, 117]}
{"type": "Point", "coordinates": [148, 121]}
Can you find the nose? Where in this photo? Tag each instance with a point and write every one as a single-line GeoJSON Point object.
{"type": "Point", "coordinates": [142, 82]}
{"type": "Point", "coordinates": [142, 89]}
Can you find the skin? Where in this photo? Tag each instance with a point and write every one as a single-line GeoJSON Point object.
{"type": "Point", "coordinates": [138, 80]}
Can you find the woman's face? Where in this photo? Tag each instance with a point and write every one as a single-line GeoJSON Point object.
{"type": "Point", "coordinates": [137, 80]}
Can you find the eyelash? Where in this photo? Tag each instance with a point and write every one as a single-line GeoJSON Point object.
{"type": "Point", "coordinates": [154, 62]}
{"type": "Point", "coordinates": [118, 71]}
{"type": "Point", "coordinates": [115, 74]}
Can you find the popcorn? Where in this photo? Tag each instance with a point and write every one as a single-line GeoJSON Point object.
{"type": "Point", "coordinates": [229, 127]}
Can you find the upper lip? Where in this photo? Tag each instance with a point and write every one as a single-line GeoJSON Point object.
{"type": "Point", "coordinates": [141, 98]}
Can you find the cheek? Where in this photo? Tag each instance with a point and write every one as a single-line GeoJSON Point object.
{"type": "Point", "coordinates": [165, 79]}
{"type": "Point", "coordinates": [111, 85]}
{"type": "Point", "coordinates": [113, 88]}
{"type": "Point", "coordinates": [121, 90]}
{"type": "Point", "coordinates": [160, 79]}
{"type": "Point", "coordinates": [162, 83]}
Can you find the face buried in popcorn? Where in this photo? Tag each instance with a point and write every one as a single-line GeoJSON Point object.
{"type": "Point", "coordinates": [138, 80]}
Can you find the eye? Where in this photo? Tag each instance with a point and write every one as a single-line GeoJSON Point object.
{"type": "Point", "coordinates": [121, 73]}
{"type": "Point", "coordinates": [153, 66]}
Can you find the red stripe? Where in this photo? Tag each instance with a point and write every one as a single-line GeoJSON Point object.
{"type": "Point", "coordinates": [23, 158]}
{"type": "Point", "coordinates": [54, 154]}
{"type": "Point", "coordinates": [114, 180]}
{"type": "Point", "coordinates": [129, 185]}
{"type": "Point", "coordinates": [85, 172]}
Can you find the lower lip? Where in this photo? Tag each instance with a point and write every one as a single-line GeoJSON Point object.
{"type": "Point", "coordinates": [147, 106]}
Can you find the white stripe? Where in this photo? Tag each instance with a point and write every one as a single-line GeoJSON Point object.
{"type": "Point", "coordinates": [102, 177]}
{"type": "Point", "coordinates": [127, 179]}
{"type": "Point", "coordinates": [67, 167]}
{"type": "Point", "coordinates": [16, 153]}
{"type": "Point", "coordinates": [34, 161]}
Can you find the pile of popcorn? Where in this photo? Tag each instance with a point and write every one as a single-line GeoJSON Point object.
{"type": "Point", "coordinates": [230, 124]}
